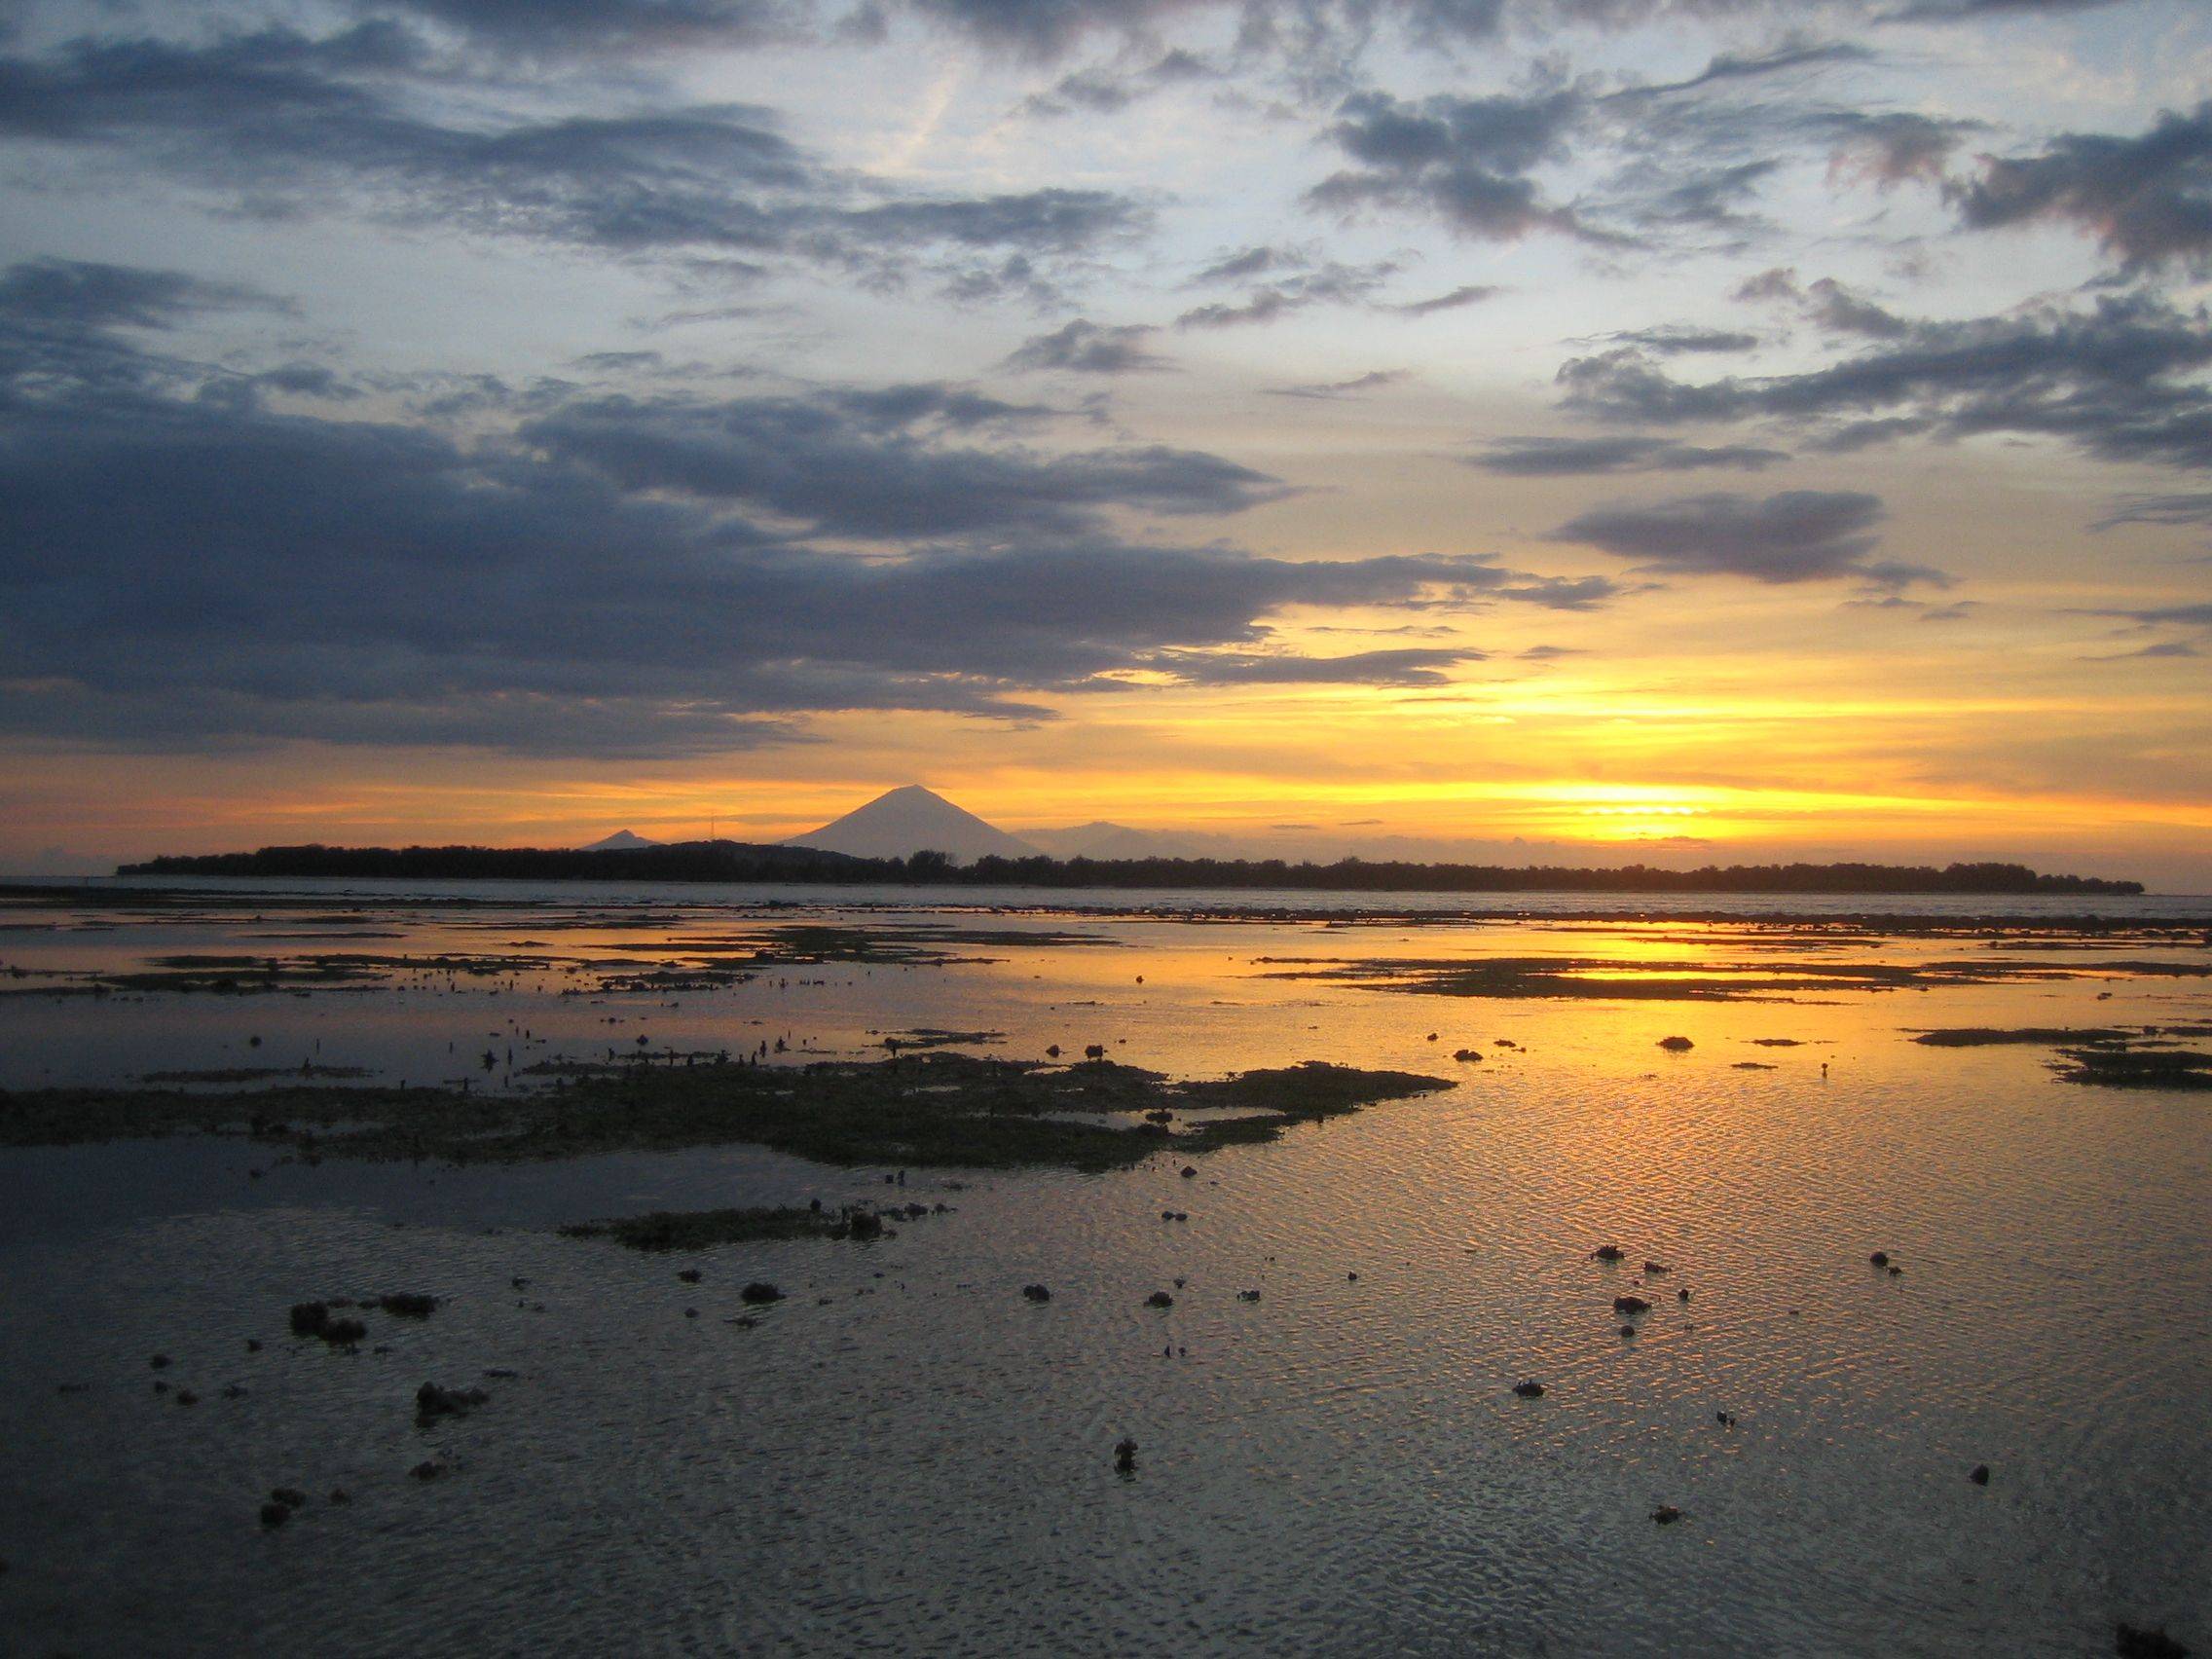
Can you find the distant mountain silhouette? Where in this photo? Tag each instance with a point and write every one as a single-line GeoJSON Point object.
{"type": "Point", "coordinates": [621, 841]}
{"type": "Point", "coordinates": [911, 820]}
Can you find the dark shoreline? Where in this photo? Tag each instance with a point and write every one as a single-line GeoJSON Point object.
{"type": "Point", "coordinates": [750, 862]}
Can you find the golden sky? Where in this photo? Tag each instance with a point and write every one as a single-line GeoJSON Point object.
{"type": "Point", "coordinates": [1539, 432]}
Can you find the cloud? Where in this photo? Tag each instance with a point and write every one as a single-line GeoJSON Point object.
{"type": "Point", "coordinates": [287, 123]}
{"type": "Point", "coordinates": [2147, 199]}
{"type": "Point", "coordinates": [1837, 309]}
{"type": "Point", "coordinates": [551, 27]}
{"type": "Point", "coordinates": [1105, 91]}
{"type": "Point", "coordinates": [1330, 284]}
{"type": "Point", "coordinates": [1795, 537]}
{"type": "Point", "coordinates": [1463, 162]}
{"type": "Point", "coordinates": [2162, 649]}
{"type": "Point", "coordinates": [2183, 616]}
{"type": "Point", "coordinates": [1778, 284]}
{"type": "Point", "coordinates": [1693, 156]}
{"type": "Point", "coordinates": [1791, 54]}
{"type": "Point", "coordinates": [1089, 348]}
{"type": "Point", "coordinates": [840, 468]}
{"type": "Point", "coordinates": [1576, 457]}
{"type": "Point", "coordinates": [1673, 339]}
{"type": "Point", "coordinates": [1975, 11]}
{"type": "Point", "coordinates": [80, 295]}
{"type": "Point", "coordinates": [1410, 666]}
{"type": "Point", "coordinates": [1467, 294]}
{"type": "Point", "coordinates": [632, 576]}
{"type": "Point", "coordinates": [1888, 148]}
{"type": "Point", "coordinates": [1330, 391]}
{"type": "Point", "coordinates": [2119, 380]}
{"type": "Point", "coordinates": [1249, 262]}
{"type": "Point", "coordinates": [2185, 508]}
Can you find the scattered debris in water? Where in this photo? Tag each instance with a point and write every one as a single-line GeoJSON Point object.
{"type": "Point", "coordinates": [432, 1402]}
{"type": "Point", "coordinates": [2131, 1643]}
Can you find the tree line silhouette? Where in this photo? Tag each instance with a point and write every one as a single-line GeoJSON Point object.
{"type": "Point", "coordinates": [749, 862]}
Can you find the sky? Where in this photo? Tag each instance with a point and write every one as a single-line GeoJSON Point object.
{"type": "Point", "coordinates": [1525, 430]}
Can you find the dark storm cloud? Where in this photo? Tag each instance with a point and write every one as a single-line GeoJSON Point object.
{"type": "Point", "coordinates": [2123, 380]}
{"type": "Point", "coordinates": [1089, 348]}
{"type": "Point", "coordinates": [1410, 666]}
{"type": "Point", "coordinates": [186, 568]}
{"type": "Point", "coordinates": [2147, 199]}
{"type": "Point", "coordinates": [1797, 535]}
{"type": "Point", "coordinates": [288, 124]}
{"type": "Point", "coordinates": [1576, 457]}
{"type": "Point", "coordinates": [1464, 161]}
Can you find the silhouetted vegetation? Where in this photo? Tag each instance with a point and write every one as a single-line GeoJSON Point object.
{"type": "Point", "coordinates": [747, 861]}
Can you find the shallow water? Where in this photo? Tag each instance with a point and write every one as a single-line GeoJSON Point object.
{"type": "Point", "coordinates": [906, 1452]}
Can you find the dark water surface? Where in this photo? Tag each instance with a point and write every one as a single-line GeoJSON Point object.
{"type": "Point", "coordinates": [906, 1454]}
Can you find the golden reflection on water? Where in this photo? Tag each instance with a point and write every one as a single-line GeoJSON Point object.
{"type": "Point", "coordinates": [906, 1452]}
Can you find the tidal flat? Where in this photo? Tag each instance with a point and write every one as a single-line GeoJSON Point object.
{"type": "Point", "coordinates": [786, 1271]}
